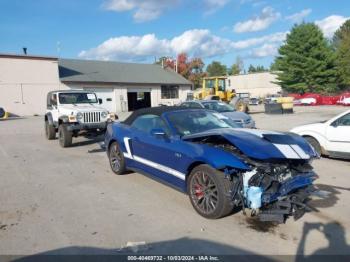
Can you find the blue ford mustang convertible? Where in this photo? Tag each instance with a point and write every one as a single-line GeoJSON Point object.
{"type": "Point", "coordinates": [267, 174]}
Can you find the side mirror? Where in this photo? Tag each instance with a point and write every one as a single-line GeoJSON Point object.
{"type": "Point", "coordinates": [158, 132]}
{"type": "Point", "coordinates": [100, 101]}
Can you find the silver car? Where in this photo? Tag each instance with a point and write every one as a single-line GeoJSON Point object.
{"type": "Point", "coordinates": [240, 118]}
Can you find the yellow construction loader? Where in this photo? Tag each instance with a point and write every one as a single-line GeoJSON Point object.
{"type": "Point", "coordinates": [214, 88]}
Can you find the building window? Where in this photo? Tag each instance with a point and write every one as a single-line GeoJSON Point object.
{"type": "Point", "coordinates": [170, 92]}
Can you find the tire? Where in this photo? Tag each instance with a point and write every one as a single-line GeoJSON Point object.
{"type": "Point", "coordinates": [64, 136]}
{"type": "Point", "coordinates": [241, 106]}
{"type": "Point", "coordinates": [50, 131]}
{"type": "Point", "coordinates": [116, 159]}
{"type": "Point", "coordinates": [315, 144]}
{"type": "Point", "coordinates": [213, 205]}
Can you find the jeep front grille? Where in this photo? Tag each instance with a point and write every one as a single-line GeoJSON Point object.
{"type": "Point", "coordinates": [92, 117]}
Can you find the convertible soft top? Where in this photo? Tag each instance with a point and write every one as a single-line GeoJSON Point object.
{"type": "Point", "coordinates": [151, 111]}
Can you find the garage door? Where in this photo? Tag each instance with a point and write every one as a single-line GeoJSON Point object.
{"type": "Point", "coordinates": [107, 96]}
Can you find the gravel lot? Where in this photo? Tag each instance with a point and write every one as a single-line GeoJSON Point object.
{"type": "Point", "coordinates": [67, 201]}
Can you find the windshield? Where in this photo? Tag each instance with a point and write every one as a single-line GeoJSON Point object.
{"type": "Point", "coordinates": [191, 122]}
{"type": "Point", "coordinates": [218, 107]}
{"type": "Point", "coordinates": [77, 98]}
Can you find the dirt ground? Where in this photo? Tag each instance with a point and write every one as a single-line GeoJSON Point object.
{"type": "Point", "coordinates": [67, 201]}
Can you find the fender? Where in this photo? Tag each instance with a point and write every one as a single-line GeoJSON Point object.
{"type": "Point", "coordinates": [219, 159]}
{"type": "Point", "coordinates": [319, 137]}
{"type": "Point", "coordinates": [49, 118]}
{"type": "Point", "coordinates": [63, 119]}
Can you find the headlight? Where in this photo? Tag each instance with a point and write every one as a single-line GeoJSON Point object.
{"type": "Point", "coordinates": [104, 114]}
{"type": "Point", "coordinates": [79, 115]}
{"type": "Point", "coordinates": [72, 118]}
{"type": "Point", "coordinates": [112, 116]}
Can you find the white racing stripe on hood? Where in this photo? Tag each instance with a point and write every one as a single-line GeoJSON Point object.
{"type": "Point", "coordinates": [258, 132]}
{"type": "Point", "coordinates": [287, 151]}
{"type": "Point", "coordinates": [300, 152]}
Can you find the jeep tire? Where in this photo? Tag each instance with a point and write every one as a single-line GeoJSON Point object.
{"type": "Point", "coordinates": [64, 136]}
{"type": "Point", "coordinates": [50, 131]}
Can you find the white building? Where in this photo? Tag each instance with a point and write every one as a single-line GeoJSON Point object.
{"type": "Point", "coordinates": [25, 80]}
{"type": "Point", "coordinates": [256, 84]}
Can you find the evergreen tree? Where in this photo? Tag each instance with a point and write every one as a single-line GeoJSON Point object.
{"type": "Point", "coordinates": [216, 69]}
{"type": "Point", "coordinates": [341, 43]}
{"type": "Point", "coordinates": [306, 61]}
{"type": "Point", "coordinates": [251, 69]}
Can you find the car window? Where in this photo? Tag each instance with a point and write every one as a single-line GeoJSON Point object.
{"type": "Point", "coordinates": [187, 123]}
{"type": "Point", "coordinates": [344, 120]}
{"type": "Point", "coordinates": [77, 98]}
{"type": "Point", "coordinates": [195, 105]}
{"type": "Point", "coordinates": [191, 105]}
{"type": "Point", "coordinates": [218, 106]}
{"type": "Point", "coordinates": [146, 123]}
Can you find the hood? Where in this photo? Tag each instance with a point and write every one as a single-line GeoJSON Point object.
{"type": "Point", "coordinates": [81, 108]}
{"type": "Point", "coordinates": [236, 115]}
{"type": "Point", "coordinates": [314, 126]}
{"type": "Point", "coordinates": [262, 144]}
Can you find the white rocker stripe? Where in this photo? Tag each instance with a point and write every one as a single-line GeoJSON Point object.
{"type": "Point", "coordinates": [157, 166]}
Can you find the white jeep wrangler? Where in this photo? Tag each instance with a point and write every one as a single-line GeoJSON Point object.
{"type": "Point", "coordinates": [72, 113]}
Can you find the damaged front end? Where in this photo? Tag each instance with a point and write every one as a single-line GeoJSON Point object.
{"type": "Point", "coordinates": [272, 189]}
{"type": "Point", "coordinates": [273, 192]}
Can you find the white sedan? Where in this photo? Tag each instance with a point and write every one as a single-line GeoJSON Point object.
{"type": "Point", "coordinates": [330, 138]}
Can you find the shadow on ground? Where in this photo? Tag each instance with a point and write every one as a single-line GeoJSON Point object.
{"type": "Point", "coordinates": [333, 232]}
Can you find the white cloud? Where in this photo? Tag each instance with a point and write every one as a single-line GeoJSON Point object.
{"type": "Point", "coordinates": [330, 24]}
{"type": "Point", "coordinates": [272, 38]}
{"type": "Point", "coordinates": [195, 42]}
{"type": "Point", "coordinates": [265, 50]}
{"type": "Point", "coordinates": [143, 10]}
{"type": "Point", "coordinates": [213, 5]}
{"type": "Point", "coordinates": [298, 17]}
{"type": "Point", "coordinates": [258, 23]}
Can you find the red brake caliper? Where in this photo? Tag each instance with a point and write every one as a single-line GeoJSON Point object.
{"type": "Point", "coordinates": [198, 191]}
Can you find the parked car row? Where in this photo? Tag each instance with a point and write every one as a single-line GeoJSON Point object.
{"type": "Point", "coordinates": [202, 149]}
{"type": "Point", "coordinates": [240, 118]}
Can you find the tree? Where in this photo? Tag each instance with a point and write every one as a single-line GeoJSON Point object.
{"type": "Point", "coordinates": [341, 33]}
{"type": "Point", "coordinates": [341, 43]}
{"type": "Point", "coordinates": [306, 61]}
{"type": "Point", "coordinates": [258, 69]}
{"type": "Point", "coordinates": [251, 69]}
{"type": "Point", "coordinates": [237, 67]}
{"type": "Point", "coordinates": [191, 69]}
{"type": "Point", "coordinates": [216, 69]}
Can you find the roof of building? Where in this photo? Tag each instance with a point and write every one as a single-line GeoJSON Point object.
{"type": "Point", "coordinates": [72, 70]}
{"type": "Point", "coordinates": [158, 111]}
{"type": "Point", "coordinates": [23, 56]}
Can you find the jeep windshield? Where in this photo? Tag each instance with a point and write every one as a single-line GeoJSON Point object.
{"type": "Point", "coordinates": [77, 98]}
{"type": "Point", "coordinates": [196, 121]}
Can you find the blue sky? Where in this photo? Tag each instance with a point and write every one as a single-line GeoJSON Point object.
{"type": "Point", "coordinates": [140, 30]}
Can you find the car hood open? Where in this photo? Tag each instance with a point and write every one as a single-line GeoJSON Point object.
{"type": "Point", "coordinates": [261, 144]}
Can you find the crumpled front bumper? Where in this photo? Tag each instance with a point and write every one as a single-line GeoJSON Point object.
{"type": "Point", "coordinates": [289, 199]}
{"type": "Point", "coordinates": [291, 184]}
{"type": "Point", "coordinates": [87, 126]}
